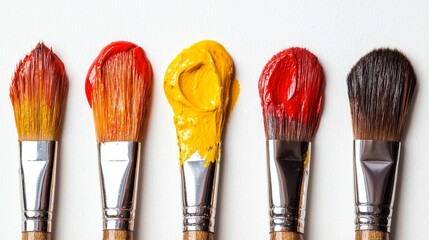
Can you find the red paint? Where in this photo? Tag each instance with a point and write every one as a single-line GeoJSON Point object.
{"type": "Point", "coordinates": [40, 63]}
{"type": "Point", "coordinates": [141, 62]}
{"type": "Point", "coordinates": [291, 86]}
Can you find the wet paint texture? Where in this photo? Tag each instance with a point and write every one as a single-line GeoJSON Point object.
{"type": "Point", "coordinates": [38, 93]}
{"type": "Point", "coordinates": [198, 85]}
{"type": "Point", "coordinates": [118, 87]}
{"type": "Point", "coordinates": [143, 66]}
{"type": "Point", "coordinates": [291, 91]}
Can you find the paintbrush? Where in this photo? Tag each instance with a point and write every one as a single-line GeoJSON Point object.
{"type": "Point", "coordinates": [199, 87]}
{"type": "Point", "coordinates": [291, 90]}
{"type": "Point", "coordinates": [118, 88]}
{"type": "Point", "coordinates": [380, 88]}
{"type": "Point", "coordinates": [38, 94]}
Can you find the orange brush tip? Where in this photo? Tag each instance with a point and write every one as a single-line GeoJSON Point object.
{"type": "Point", "coordinates": [38, 92]}
{"type": "Point", "coordinates": [118, 87]}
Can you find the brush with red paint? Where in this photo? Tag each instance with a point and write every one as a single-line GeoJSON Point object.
{"type": "Point", "coordinates": [291, 90]}
{"type": "Point", "coordinates": [380, 88]}
{"type": "Point", "coordinates": [118, 88]}
{"type": "Point", "coordinates": [38, 93]}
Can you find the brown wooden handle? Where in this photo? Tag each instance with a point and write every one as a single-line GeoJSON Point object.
{"type": "Point", "coordinates": [36, 236]}
{"type": "Point", "coordinates": [117, 235]}
{"type": "Point", "coordinates": [197, 235]}
{"type": "Point", "coordinates": [286, 236]}
{"type": "Point", "coordinates": [371, 235]}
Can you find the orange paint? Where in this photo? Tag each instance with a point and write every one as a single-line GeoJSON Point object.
{"type": "Point", "coordinates": [38, 92]}
{"type": "Point", "coordinates": [118, 87]}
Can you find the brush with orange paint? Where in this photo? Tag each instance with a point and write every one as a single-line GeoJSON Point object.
{"type": "Point", "coordinates": [38, 94]}
{"type": "Point", "coordinates": [291, 91]}
{"type": "Point", "coordinates": [380, 89]}
{"type": "Point", "coordinates": [118, 88]}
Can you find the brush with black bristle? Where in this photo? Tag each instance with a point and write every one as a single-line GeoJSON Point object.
{"type": "Point", "coordinates": [38, 93]}
{"type": "Point", "coordinates": [380, 88]}
{"type": "Point", "coordinates": [291, 91]}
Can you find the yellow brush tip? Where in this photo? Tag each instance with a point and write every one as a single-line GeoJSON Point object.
{"type": "Point", "coordinates": [38, 92]}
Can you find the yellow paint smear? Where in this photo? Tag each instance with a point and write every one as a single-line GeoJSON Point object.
{"type": "Point", "coordinates": [199, 85]}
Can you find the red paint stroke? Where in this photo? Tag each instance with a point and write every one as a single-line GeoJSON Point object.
{"type": "Point", "coordinates": [291, 86]}
{"type": "Point", "coordinates": [42, 60]}
{"type": "Point", "coordinates": [141, 62]}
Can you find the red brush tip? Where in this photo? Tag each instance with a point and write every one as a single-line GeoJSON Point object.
{"type": "Point", "coordinates": [109, 51]}
{"type": "Point", "coordinates": [291, 90]}
{"type": "Point", "coordinates": [38, 92]}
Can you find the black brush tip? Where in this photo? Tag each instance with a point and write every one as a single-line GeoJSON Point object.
{"type": "Point", "coordinates": [380, 88]}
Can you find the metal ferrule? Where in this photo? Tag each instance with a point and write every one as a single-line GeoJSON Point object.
{"type": "Point", "coordinates": [288, 171]}
{"type": "Point", "coordinates": [119, 167]}
{"type": "Point", "coordinates": [375, 172]}
{"type": "Point", "coordinates": [199, 193]}
{"type": "Point", "coordinates": [37, 172]}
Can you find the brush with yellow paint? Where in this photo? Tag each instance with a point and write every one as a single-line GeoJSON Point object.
{"type": "Point", "coordinates": [38, 94]}
{"type": "Point", "coordinates": [118, 87]}
{"type": "Point", "coordinates": [200, 87]}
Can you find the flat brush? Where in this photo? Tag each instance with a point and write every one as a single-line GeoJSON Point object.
{"type": "Point", "coordinates": [38, 94]}
{"type": "Point", "coordinates": [198, 85]}
{"type": "Point", "coordinates": [118, 88]}
{"type": "Point", "coordinates": [291, 90]}
{"type": "Point", "coordinates": [380, 88]}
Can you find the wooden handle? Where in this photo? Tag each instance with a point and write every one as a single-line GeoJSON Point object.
{"type": "Point", "coordinates": [286, 236]}
{"type": "Point", "coordinates": [36, 236]}
{"type": "Point", "coordinates": [197, 235]}
{"type": "Point", "coordinates": [371, 235]}
{"type": "Point", "coordinates": [117, 235]}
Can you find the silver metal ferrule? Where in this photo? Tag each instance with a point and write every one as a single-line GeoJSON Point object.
{"type": "Point", "coordinates": [288, 172]}
{"type": "Point", "coordinates": [375, 172]}
{"type": "Point", "coordinates": [37, 172]}
{"type": "Point", "coordinates": [199, 193]}
{"type": "Point", "coordinates": [119, 168]}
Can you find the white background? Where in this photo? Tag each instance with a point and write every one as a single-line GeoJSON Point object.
{"type": "Point", "coordinates": [338, 32]}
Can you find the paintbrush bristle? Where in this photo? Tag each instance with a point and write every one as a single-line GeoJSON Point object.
{"type": "Point", "coordinates": [291, 91]}
{"type": "Point", "coordinates": [38, 92]}
{"type": "Point", "coordinates": [380, 88]}
{"type": "Point", "coordinates": [120, 95]}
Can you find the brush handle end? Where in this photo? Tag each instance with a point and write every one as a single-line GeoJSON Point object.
{"type": "Point", "coordinates": [197, 235]}
{"type": "Point", "coordinates": [36, 236]}
{"type": "Point", "coordinates": [286, 236]}
{"type": "Point", "coordinates": [372, 235]}
{"type": "Point", "coordinates": [117, 235]}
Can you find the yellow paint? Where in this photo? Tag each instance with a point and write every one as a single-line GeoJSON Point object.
{"type": "Point", "coordinates": [307, 157]}
{"type": "Point", "coordinates": [199, 87]}
{"type": "Point", "coordinates": [235, 91]}
{"type": "Point", "coordinates": [34, 120]}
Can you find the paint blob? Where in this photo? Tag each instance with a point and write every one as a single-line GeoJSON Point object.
{"type": "Point", "coordinates": [200, 87]}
